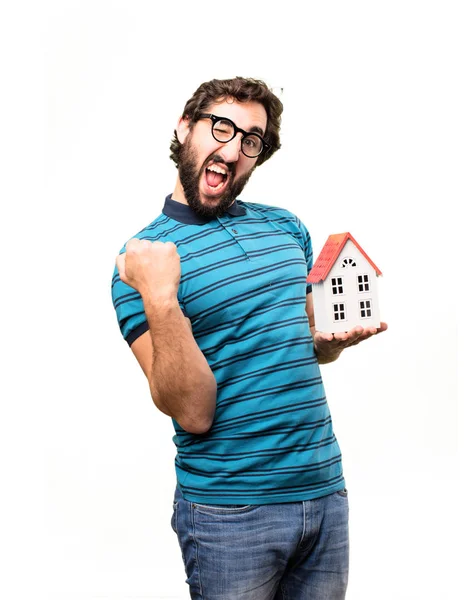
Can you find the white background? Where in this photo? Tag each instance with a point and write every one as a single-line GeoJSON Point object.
{"type": "Point", "coordinates": [377, 138]}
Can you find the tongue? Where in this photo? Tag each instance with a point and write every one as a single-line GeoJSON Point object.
{"type": "Point", "coordinates": [213, 179]}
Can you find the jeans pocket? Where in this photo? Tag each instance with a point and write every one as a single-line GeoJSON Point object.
{"type": "Point", "coordinates": [174, 517]}
{"type": "Point", "coordinates": [223, 509]}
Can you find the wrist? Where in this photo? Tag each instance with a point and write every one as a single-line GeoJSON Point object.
{"type": "Point", "coordinates": [162, 301]}
{"type": "Point", "coordinates": [325, 358]}
{"type": "Point", "coordinates": [326, 354]}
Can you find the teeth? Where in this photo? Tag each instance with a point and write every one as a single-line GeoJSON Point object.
{"type": "Point", "coordinates": [216, 169]}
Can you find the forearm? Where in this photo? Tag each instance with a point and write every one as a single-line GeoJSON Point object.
{"type": "Point", "coordinates": [181, 382]}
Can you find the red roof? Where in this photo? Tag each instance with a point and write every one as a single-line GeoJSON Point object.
{"type": "Point", "coordinates": [329, 254]}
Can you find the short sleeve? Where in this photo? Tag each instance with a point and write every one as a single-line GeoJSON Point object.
{"type": "Point", "coordinates": [129, 308]}
{"type": "Point", "coordinates": [307, 247]}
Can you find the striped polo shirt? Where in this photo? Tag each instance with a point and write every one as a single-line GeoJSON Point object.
{"type": "Point", "coordinates": [243, 287]}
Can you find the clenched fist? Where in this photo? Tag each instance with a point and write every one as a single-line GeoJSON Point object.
{"type": "Point", "coordinates": [151, 268]}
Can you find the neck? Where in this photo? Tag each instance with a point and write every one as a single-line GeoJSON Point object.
{"type": "Point", "coordinates": [178, 193]}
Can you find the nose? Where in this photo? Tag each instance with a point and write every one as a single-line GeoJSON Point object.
{"type": "Point", "coordinates": [231, 150]}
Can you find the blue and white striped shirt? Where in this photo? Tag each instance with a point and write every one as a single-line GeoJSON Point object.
{"type": "Point", "coordinates": [243, 286]}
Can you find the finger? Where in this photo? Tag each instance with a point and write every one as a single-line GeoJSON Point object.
{"type": "Point", "coordinates": [341, 337]}
{"type": "Point", "coordinates": [367, 333]}
{"type": "Point", "coordinates": [137, 245]}
{"type": "Point", "coordinates": [120, 262]}
{"type": "Point", "coordinates": [132, 244]}
{"type": "Point", "coordinates": [356, 332]}
{"type": "Point", "coordinates": [169, 250]}
{"type": "Point", "coordinates": [350, 335]}
{"type": "Point", "coordinates": [324, 337]}
{"type": "Point", "coordinates": [354, 336]}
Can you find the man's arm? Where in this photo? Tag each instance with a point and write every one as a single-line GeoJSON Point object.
{"type": "Point", "coordinates": [329, 346]}
{"type": "Point", "coordinates": [181, 382]}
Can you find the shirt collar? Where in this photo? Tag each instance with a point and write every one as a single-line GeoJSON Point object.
{"type": "Point", "coordinates": [184, 213]}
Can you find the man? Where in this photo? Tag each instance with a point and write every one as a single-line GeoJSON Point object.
{"type": "Point", "coordinates": [212, 299]}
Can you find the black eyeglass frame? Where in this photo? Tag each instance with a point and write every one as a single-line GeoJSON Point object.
{"type": "Point", "coordinates": [265, 147]}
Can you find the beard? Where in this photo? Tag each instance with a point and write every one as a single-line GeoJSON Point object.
{"type": "Point", "coordinates": [190, 174]}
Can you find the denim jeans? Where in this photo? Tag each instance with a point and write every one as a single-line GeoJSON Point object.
{"type": "Point", "coordinates": [293, 551]}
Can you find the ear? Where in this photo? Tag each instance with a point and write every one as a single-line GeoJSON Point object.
{"type": "Point", "coordinates": [182, 129]}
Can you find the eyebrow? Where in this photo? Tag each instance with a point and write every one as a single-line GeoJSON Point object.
{"type": "Point", "coordinates": [256, 129]}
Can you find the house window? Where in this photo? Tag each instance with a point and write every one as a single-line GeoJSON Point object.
{"type": "Point", "coordinates": [348, 262]}
{"type": "Point", "coordinates": [363, 283]}
{"type": "Point", "coordinates": [339, 312]}
{"type": "Point", "coordinates": [365, 309]}
{"type": "Point", "coordinates": [337, 285]}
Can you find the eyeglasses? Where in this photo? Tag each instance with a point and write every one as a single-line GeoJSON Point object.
{"type": "Point", "coordinates": [224, 130]}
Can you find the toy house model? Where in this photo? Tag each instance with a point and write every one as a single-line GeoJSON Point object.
{"type": "Point", "coordinates": [345, 287]}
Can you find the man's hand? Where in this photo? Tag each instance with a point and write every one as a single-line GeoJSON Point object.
{"type": "Point", "coordinates": [329, 345]}
{"type": "Point", "coordinates": [181, 382]}
{"type": "Point", "coordinates": [151, 268]}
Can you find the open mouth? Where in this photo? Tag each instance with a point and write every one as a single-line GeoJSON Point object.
{"type": "Point", "coordinates": [216, 177]}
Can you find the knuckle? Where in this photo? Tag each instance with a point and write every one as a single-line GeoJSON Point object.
{"type": "Point", "coordinates": [157, 247]}
{"type": "Point", "coordinates": [169, 248]}
{"type": "Point", "coordinates": [137, 246]}
{"type": "Point", "coordinates": [133, 246]}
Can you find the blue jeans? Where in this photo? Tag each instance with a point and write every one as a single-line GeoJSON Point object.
{"type": "Point", "coordinates": [293, 551]}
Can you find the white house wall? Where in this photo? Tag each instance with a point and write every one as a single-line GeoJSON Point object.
{"type": "Point", "coordinates": [324, 298]}
{"type": "Point", "coordinates": [322, 322]}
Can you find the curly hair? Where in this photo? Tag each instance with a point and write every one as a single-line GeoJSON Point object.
{"type": "Point", "coordinates": [242, 90]}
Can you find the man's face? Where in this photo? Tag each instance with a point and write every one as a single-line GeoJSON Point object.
{"type": "Point", "coordinates": [213, 174]}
